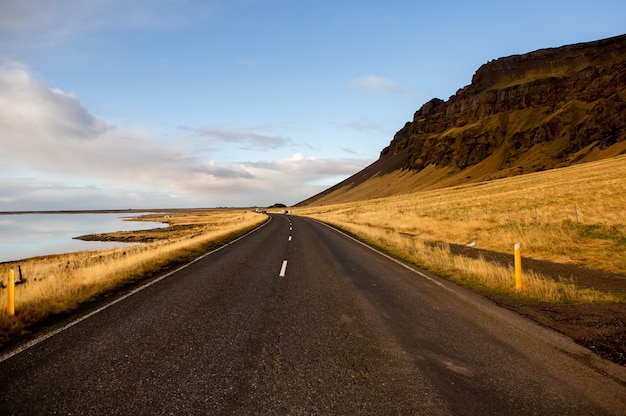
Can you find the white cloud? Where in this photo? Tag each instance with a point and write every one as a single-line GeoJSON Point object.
{"type": "Point", "coordinates": [248, 138]}
{"type": "Point", "coordinates": [376, 84]}
{"type": "Point", "coordinates": [311, 168]}
{"type": "Point", "coordinates": [48, 131]}
{"type": "Point", "coordinates": [60, 156]}
{"type": "Point", "coordinates": [29, 110]}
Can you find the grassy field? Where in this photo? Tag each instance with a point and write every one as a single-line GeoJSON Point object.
{"type": "Point", "coordinates": [574, 215]}
{"type": "Point", "coordinates": [60, 283]}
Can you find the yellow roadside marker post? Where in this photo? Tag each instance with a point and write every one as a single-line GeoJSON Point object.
{"type": "Point", "coordinates": [518, 266]}
{"type": "Point", "coordinates": [11, 293]}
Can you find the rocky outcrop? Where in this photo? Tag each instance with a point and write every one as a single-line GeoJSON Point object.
{"type": "Point", "coordinates": [558, 102]}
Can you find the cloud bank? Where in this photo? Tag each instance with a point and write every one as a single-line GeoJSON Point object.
{"type": "Point", "coordinates": [88, 163]}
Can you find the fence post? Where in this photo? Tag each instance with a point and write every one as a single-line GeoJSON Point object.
{"type": "Point", "coordinates": [11, 293]}
{"type": "Point", "coordinates": [518, 266]}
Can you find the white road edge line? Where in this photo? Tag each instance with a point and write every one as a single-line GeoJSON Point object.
{"type": "Point", "coordinates": [44, 337]}
{"type": "Point", "coordinates": [549, 336]}
{"type": "Point", "coordinates": [283, 269]}
{"type": "Point", "coordinates": [406, 266]}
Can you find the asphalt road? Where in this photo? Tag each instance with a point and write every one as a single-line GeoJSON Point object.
{"type": "Point", "coordinates": [297, 319]}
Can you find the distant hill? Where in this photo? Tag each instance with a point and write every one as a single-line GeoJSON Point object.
{"type": "Point", "coordinates": [523, 113]}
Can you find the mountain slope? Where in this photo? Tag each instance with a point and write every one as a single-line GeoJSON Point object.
{"type": "Point", "coordinates": [523, 113]}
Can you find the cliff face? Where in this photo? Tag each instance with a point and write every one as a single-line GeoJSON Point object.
{"type": "Point", "coordinates": [531, 112]}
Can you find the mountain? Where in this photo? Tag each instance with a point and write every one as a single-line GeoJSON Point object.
{"type": "Point", "coordinates": [523, 113]}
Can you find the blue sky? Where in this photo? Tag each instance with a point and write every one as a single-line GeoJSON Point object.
{"type": "Point", "coordinates": [182, 103]}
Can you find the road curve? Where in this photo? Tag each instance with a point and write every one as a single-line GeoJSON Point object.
{"type": "Point", "coordinates": [298, 319]}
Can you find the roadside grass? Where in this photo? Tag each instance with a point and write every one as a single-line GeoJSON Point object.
{"type": "Point", "coordinates": [476, 273]}
{"type": "Point", "coordinates": [574, 215]}
{"type": "Point", "coordinates": [60, 283]}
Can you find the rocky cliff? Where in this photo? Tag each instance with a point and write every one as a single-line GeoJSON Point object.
{"type": "Point", "coordinates": [567, 100]}
{"type": "Point", "coordinates": [524, 113]}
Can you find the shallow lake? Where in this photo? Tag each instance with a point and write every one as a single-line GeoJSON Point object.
{"type": "Point", "coordinates": [30, 235]}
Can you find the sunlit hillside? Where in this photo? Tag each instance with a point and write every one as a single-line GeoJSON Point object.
{"type": "Point", "coordinates": [573, 215]}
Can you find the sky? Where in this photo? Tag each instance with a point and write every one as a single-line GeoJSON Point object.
{"type": "Point", "coordinates": [145, 104]}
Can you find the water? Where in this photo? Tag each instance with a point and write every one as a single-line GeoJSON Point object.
{"type": "Point", "coordinates": [29, 235]}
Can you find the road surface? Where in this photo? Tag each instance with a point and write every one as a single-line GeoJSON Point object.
{"type": "Point", "coordinates": [298, 319]}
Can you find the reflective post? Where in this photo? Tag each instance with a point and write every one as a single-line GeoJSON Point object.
{"type": "Point", "coordinates": [518, 267]}
{"type": "Point", "coordinates": [11, 293]}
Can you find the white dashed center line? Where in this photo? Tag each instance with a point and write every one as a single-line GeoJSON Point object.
{"type": "Point", "coordinates": [283, 269]}
{"type": "Point", "coordinates": [289, 238]}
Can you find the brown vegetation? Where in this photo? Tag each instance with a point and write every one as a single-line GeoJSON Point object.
{"type": "Point", "coordinates": [571, 215]}
{"type": "Point", "coordinates": [60, 283]}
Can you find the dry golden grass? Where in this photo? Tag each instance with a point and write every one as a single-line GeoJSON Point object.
{"type": "Point", "coordinates": [574, 215]}
{"type": "Point", "coordinates": [60, 283]}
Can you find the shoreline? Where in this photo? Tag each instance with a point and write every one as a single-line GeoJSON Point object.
{"type": "Point", "coordinates": [40, 234]}
{"type": "Point", "coordinates": [110, 211]}
{"type": "Point", "coordinates": [122, 211]}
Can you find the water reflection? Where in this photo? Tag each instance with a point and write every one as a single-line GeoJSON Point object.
{"type": "Point", "coordinates": [30, 235]}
